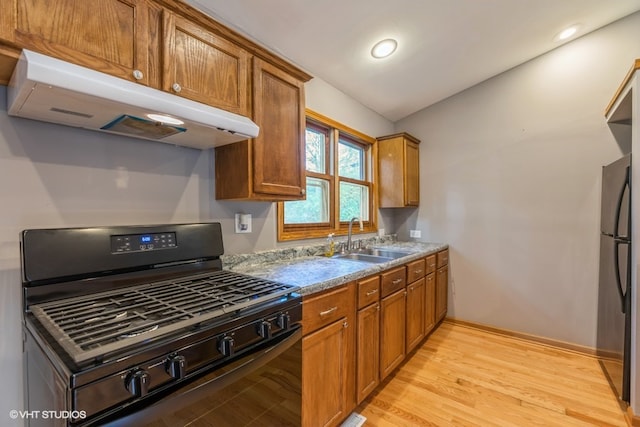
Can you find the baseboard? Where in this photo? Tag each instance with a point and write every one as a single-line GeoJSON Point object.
{"type": "Point", "coordinates": [632, 419]}
{"type": "Point", "coordinates": [584, 350]}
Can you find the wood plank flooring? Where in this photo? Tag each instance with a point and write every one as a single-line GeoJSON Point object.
{"type": "Point", "coordinates": [463, 376]}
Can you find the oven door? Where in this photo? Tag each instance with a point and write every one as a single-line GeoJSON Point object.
{"type": "Point", "coordinates": [260, 389]}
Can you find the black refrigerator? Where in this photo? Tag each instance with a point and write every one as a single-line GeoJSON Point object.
{"type": "Point", "coordinates": [614, 290]}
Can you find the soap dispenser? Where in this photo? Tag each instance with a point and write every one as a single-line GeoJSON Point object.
{"type": "Point", "coordinates": [331, 247]}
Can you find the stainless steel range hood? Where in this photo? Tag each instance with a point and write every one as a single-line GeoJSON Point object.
{"type": "Point", "coordinates": [51, 90]}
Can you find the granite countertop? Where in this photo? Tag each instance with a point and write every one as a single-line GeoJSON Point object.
{"type": "Point", "coordinates": [317, 273]}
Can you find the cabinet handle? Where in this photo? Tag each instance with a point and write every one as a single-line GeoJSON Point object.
{"type": "Point", "coordinates": [417, 272]}
{"type": "Point", "coordinates": [432, 265]}
{"type": "Point", "coordinates": [331, 310]}
{"type": "Point", "coordinates": [411, 289]}
{"type": "Point", "coordinates": [345, 324]}
{"type": "Point", "coordinates": [371, 292]}
{"type": "Point", "coordinates": [138, 75]}
{"type": "Point", "coordinates": [176, 87]}
{"type": "Point", "coordinates": [395, 282]}
{"type": "Point", "coordinates": [303, 191]}
{"type": "Point", "coordinates": [378, 307]}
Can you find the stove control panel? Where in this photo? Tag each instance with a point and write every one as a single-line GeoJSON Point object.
{"type": "Point", "coordinates": [142, 242]}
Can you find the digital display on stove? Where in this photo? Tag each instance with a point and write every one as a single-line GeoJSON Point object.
{"type": "Point", "coordinates": [142, 242]}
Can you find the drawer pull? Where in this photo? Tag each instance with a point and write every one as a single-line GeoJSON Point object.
{"type": "Point", "coordinates": [417, 272]}
{"type": "Point", "coordinates": [371, 292]}
{"type": "Point", "coordinates": [331, 310]}
{"type": "Point", "coordinates": [395, 282]}
{"type": "Point", "coordinates": [432, 265]}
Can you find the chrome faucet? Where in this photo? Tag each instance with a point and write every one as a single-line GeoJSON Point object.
{"type": "Point", "coordinates": [349, 248]}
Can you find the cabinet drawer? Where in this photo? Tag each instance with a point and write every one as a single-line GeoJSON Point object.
{"type": "Point", "coordinates": [415, 270]}
{"type": "Point", "coordinates": [431, 264]}
{"type": "Point", "coordinates": [321, 310]}
{"type": "Point", "coordinates": [392, 281]}
{"type": "Point", "coordinates": [443, 258]}
{"type": "Point", "coordinates": [368, 291]}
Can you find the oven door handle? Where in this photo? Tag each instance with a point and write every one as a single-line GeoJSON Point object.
{"type": "Point", "coordinates": [188, 395]}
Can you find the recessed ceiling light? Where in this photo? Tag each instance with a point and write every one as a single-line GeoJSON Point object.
{"type": "Point", "coordinates": [165, 119]}
{"type": "Point", "coordinates": [384, 48]}
{"type": "Point", "coordinates": [567, 33]}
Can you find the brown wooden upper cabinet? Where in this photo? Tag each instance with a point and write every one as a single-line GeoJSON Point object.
{"type": "Point", "coordinates": [398, 171]}
{"type": "Point", "coordinates": [204, 67]}
{"type": "Point", "coordinates": [112, 36]}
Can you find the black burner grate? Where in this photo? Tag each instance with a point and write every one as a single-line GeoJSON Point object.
{"type": "Point", "coordinates": [92, 326]}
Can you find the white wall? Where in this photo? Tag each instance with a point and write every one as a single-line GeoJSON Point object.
{"type": "Point", "coordinates": [58, 176]}
{"type": "Point", "coordinates": [511, 177]}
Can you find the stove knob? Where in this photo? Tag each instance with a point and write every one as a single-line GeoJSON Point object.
{"type": "Point", "coordinates": [137, 382]}
{"type": "Point", "coordinates": [283, 321]}
{"type": "Point", "coordinates": [176, 366]}
{"type": "Point", "coordinates": [264, 329]}
{"type": "Point", "coordinates": [225, 346]}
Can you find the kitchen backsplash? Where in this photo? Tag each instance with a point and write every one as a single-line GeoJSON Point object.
{"type": "Point", "coordinates": [235, 261]}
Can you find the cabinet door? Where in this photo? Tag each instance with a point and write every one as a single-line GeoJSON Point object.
{"type": "Point", "coordinates": [415, 313]}
{"type": "Point", "coordinates": [368, 347]}
{"type": "Point", "coordinates": [430, 303]}
{"type": "Point", "coordinates": [392, 332]}
{"type": "Point", "coordinates": [278, 151]}
{"type": "Point", "coordinates": [412, 174]}
{"type": "Point", "coordinates": [442, 278]}
{"type": "Point", "coordinates": [204, 67]}
{"type": "Point", "coordinates": [324, 375]}
{"type": "Point", "coordinates": [112, 36]}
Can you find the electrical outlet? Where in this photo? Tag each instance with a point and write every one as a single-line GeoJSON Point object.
{"type": "Point", "coordinates": [415, 234]}
{"type": "Point", "coordinates": [381, 232]}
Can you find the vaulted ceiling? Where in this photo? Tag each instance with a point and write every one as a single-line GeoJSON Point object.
{"type": "Point", "coordinates": [444, 46]}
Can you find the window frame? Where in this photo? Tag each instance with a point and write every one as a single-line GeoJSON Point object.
{"type": "Point", "coordinates": [335, 132]}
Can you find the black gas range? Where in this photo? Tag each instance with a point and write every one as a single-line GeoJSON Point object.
{"type": "Point", "coordinates": [134, 325]}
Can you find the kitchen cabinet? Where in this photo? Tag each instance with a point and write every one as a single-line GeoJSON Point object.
{"type": "Point", "coordinates": [328, 357]}
{"type": "Point", "coordinates": [392, 320]}
{"type": "Point", "coordinates": [392, 332]}
{"type": "Point", "coordinates": [442, 284]}
{"type": "Point", "coordinates": [271, 166]}
{"type": "Point", "coordinates": [368, 338]}
{"type": "Point", "coordinates": [416, 300]}
{"type": "Point", "coordinates": [430, 293]}
{"type": "Point", "coordinates": [113, 36]}
{"type": "Point", "coordinates": [204, 67]}
{"type": "Point", "coordinates": [398, 171]}
{"type": "Point", "coordinates": [430, 303]}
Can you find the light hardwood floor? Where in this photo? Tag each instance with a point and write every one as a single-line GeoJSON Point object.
{"type": "Point", "coordinates": [463, 376]}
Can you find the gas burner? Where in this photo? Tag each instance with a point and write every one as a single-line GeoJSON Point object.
{"type": "Point", "coordinates": [117, 316]}
{"type": "Point", "coordinates": [139, 332]}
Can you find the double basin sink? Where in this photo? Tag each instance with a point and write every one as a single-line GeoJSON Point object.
{"type": "Point", "coordinates": [373, 255]}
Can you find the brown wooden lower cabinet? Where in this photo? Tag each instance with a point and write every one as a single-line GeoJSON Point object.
{"type": "Point", "coordinates": [430, 303]}
{"type": "Point", "coordinates": [328, 357]}
{"type": "Point", "coordinates": [415, 313]}
{"type": "Point", "coordinates": [392, 332]}
{"type": "Point", "coordinates": [368, 351]}
{"type": "Point", "coordinates": [442, 279]}
{"type": "Point", "coordinates": [324, 375]}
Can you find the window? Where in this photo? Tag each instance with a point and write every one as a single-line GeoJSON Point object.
{"type": "Point", "coordinates": [339, 182]}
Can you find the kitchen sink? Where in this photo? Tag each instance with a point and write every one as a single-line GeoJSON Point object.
{"type": "Point", "coordinates": [363, 257]}
{"type": "Point", "coordinates": [382, 253]}
{"type": "Point", "coordinates": [372, 255]}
